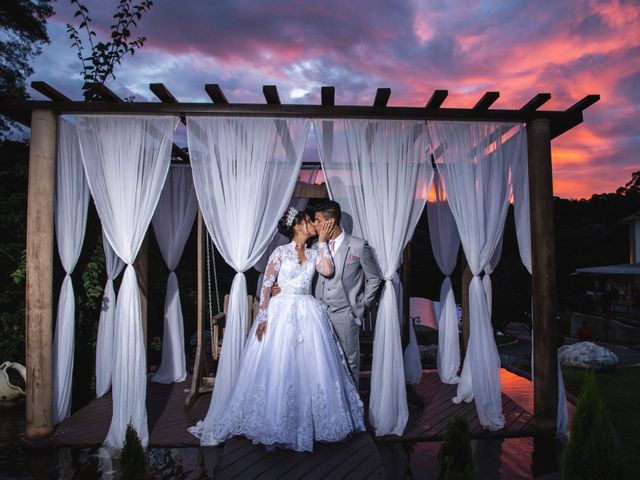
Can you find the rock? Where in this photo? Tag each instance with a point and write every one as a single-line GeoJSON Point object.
{"type": "Point", "coordinates": [428, 353]}
{"type": "Point", "coordinates": [586, 355]}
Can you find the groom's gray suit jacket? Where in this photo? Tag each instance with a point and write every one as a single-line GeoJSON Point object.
{"type": "Point", "coordinates": [355, 280]}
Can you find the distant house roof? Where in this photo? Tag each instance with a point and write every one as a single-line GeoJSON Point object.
{"type": "Point", "coordinates": [623, 269]}
{"type": "Point", "coordinates": [631, 218]}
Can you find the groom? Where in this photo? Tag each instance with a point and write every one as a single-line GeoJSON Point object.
{"type": "Point", "coordinates": [351, 288]}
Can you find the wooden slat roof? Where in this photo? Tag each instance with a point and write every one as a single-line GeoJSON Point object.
{"type": "Point", "coordinates": [560, 120]}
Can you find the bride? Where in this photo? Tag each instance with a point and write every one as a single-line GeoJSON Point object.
{"type": "Point", "coordinates": [294, 385]}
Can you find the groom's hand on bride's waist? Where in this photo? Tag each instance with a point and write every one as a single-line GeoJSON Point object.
{"type": "Point", "coordinates": [275, 289]}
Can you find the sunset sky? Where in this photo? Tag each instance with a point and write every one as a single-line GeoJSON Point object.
{"type": "Point", "coordinates": [569, 48]}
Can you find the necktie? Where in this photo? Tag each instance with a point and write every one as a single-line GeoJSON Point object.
{"type": "Point", "coordinates": [332, 244]}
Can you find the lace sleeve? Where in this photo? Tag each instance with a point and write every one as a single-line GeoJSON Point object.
{"type": "Point", "coordinates": [270, 275]}
{"type": "Point", "coordinates": [323, 260]}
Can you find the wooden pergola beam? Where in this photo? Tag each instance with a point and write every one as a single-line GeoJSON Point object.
{"type": "Point", "coordinates": [328, 95]}
{"type": "Point", "coordinates": [165, 96]}
{"type": "Point", "coordinates": [536, 102]}
{"type": "Point", "coordinates": [48, 91]}
{"type": "Point", "coordinates": [162, 92]}
{"type": "Point", "coordinates": [560, 121]}
{"type": "Point", "coordinates": [310, 190]}
{"type": "Point", "coordinates": [270, 93]}
{"type": "Point", "coordinates": [486, 101]}
{"type": "Point", "coordinates": [583, 104]}
{"type": "Point", "coordinates": [437, 98]}
{"type": "Point", "coordinates": [105, 93]}
{"type": "Point", "coordinates": [215, 93]}
{"type": "Point", "coordinates": [382, 97]}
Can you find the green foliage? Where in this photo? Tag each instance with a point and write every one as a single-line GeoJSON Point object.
{"type": "Point", "coordinates": [13, 206]}
{"type": "Point", "coordinates": [99, 63]}
{"type": "Point", "coordinates": [590, 453]}
{"type": "Point", "coordinates": [456, 460]}
{"type": "Point", "coordinates": [156, 344]}
{"type": "Point", "coordinates": [23, 32]}
{"type": "Point", "coordinates": [93, 281]}
{"type": "Point", "coordinates": [133, 460]}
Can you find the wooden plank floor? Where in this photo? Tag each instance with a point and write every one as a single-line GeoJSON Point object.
{"type": "Point", "coordinates": [355, 458]}
{"type": "Point", "coordinates": [428, 423]}
{"type": "Point", "coordinates": [167, 419]}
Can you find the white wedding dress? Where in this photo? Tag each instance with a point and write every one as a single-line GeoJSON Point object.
{"type": "Point", "coordinates": [294, 385]}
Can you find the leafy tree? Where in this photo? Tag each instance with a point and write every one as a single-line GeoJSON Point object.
{"type": "Point", "coordinates": [99, 58]}
{"type": "Point", "coordinates": [632, 186]}
{"type": "Point", "coordinates": [23, 32]}
{"type": "Point", "coordinates": [13, 206]}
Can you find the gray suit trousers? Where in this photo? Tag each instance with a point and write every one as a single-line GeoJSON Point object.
{"type": "Point", "coordinates": [348, 333]}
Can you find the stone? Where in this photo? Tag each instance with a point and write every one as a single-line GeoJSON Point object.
{"type": "Point", "coordinates": [586, 355]}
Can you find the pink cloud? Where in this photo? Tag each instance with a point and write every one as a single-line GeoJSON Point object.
{"type": "Point", "coordinates": [569, 49]}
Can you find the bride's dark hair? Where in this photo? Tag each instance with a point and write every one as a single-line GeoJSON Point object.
{"type": "Point", "coordinates": [286, 224]}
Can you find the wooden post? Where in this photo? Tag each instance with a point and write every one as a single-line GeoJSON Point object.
{"type": "Point", "coordinates": [543, 283]}
{"type": "Point", "coordinates": [406, 292]}
{"type": "Point", "coordinates": [198, 364]}
{"type": "Point", "coordinates": [39, 274]}
{"type": "Point", "coordinates": [141, 264]}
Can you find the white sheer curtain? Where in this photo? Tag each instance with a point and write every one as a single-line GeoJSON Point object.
{"type": "Point", "coordinates": [172, 223]}
{"type": "Point", "coordinates": [72, 200]}
{"type": "Point", "coordinates": [488, 270]}
{"type": "Point", "coordinates": [378, 172]}
{"type": "Point", "coordinates": [520, 181]}
{"type": "Point", "coordinates": [244, 172]}
{"type": "Point", "coordinates": [126, 160]}
{"type": "Point", "coordinates": [445, 243]}
{"type": "Point", "coordinates": [104, 342]}
{"type": "Point", "coordinates": [475, 173]}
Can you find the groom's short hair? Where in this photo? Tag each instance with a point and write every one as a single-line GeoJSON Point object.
{"type": "Point", "coordinates": [330, 209]}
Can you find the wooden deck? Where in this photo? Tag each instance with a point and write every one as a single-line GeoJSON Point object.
{"type": "Point", "coordinates": [428, 423]}
{"type": "Point", "coordinates": [356, 458]}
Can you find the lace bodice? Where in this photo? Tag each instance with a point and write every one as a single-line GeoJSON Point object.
{"type": "Point", "coordinates": [292, 276]}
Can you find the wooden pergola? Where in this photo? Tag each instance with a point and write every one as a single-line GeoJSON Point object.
{"type": "Point", "coordinates": [41, 116]}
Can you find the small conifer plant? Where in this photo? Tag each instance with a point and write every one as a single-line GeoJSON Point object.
{"type": "Point", "coordinates": [590, 452]}
{"type": "Point", "coordinates": [456, 460]}
{"type": "Point", "coordinates": [133, 460]}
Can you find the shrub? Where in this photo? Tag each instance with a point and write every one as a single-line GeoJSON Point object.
{"type": "Point", "coordinates": [590, 452]}
{"type": "Point", "coordinates": [133, 460]}
{"type": "Point", "coordinates": [456, 460]}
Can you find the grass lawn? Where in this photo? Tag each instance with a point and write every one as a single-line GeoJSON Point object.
{"type": "Point", "coordinates": [621, 390]}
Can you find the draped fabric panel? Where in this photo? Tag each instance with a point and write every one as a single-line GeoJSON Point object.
{"type": "Point", "coordinates": [445, 243]}
{"type": "Point", "coordinates": [473, 162]}
{"type": "Point", "coordinates": [126, 160]}
{"type": "Point", "coordinates": [104, 342]}
{"type": "Point", "coordinates": [172, 224]}
{"type": "Point", "coordinates": [411, 354]}
{"type": "Point", "coordinates": [72, 200]}
{"type": "Point", "coordinates": [244, 172]}
{"type": "Point", "coordinates": [520, 185]}
{"type": "Point", "coordinates": [378, 172]}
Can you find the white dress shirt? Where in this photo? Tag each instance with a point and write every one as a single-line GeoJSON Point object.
{"type": "Point", "coordinates": [337, 242]}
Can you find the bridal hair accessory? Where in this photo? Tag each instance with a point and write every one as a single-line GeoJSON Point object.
{"type": "Point", "coordinates": [291, 214]}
